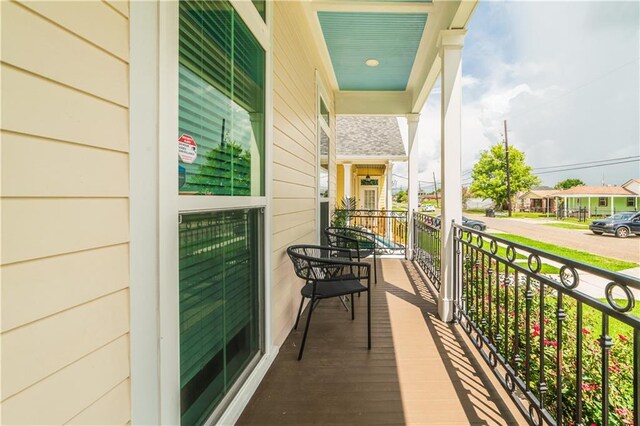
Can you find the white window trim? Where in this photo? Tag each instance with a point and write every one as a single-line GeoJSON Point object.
{"type": "Point", "coordinates": [322, 125]}
{"type": "Point", "coordinates": [155, 208]}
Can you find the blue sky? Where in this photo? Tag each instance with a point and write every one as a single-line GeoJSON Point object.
{"type": "Point", "coordinates": [565, 76]}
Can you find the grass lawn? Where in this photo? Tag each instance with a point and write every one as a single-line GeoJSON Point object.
{"type": "Point", "coordinates": [568, 225]}
{"type": "Point", "coordinates": [594, 317]}
{"type": "Point", "coordinates": [522, 215]}
{"type": "Point", "coordinates": [577, 255]}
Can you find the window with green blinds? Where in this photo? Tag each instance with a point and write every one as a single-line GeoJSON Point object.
{"type": "Point", "coordinates": [221, 101]}
{"type": "Point", "coordinates": [220, 305]}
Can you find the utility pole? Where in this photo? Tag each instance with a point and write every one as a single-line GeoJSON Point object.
{"type": "Point", "coordinates": [506, 150]}
{"type": "Point", "coordinates": [435, 189]}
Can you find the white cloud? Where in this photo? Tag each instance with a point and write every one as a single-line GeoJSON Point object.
{"type": "Point", "coordinates": [566, 77]}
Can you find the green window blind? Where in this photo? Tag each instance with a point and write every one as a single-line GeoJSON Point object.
{"type": "Point", "coordinates": [220, 261]}
{"type": "Point", "coordinates": [220, 101]}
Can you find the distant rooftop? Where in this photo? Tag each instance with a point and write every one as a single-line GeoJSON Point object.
{"type": "Point", "coordinates": [596, 190]}
{"type": "Point", "coordinates": [369, 136]}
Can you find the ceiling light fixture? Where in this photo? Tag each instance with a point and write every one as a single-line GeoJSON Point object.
{"type": "Point", "coordinates": [372, 62]}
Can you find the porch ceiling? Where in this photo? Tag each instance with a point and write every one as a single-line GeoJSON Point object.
{"type": "Point", "coordinates": [391, 39]}
{"type": "Point", "coordinates": [401, 35]}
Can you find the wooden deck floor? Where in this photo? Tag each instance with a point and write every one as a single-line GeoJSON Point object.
{"type": "Point", "coordinates": [419, 371]}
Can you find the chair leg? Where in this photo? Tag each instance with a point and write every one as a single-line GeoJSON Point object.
{"type": "Point", "coordinates": [375, 268]}
{"type": "Point", "coordinates": [369, 318]}
{"type": "Point", "coordinates": [306, 328]}
{"type": "Point", "coordinates": [353, 311]}
{"type": "Point", "coordinates": [295, 327]}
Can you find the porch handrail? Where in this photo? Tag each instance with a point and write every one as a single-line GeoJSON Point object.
{"type": "Point", "coordinates": [427, 245]}
{"type": "Point", "coordinates": [521, 308]}
{"type": "Point", "coordinates": [389, 225]}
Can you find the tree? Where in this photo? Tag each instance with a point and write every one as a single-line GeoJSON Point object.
{"type": "Point", "coordinates": [490, 174]}
{"type": "Point", "coordinates": [401, 196]}
{"type": "Point", "coordinates": [569, 183]}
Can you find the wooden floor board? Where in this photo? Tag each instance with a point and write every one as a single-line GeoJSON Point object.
{"type": "Point", "coordinates": [419, 371]}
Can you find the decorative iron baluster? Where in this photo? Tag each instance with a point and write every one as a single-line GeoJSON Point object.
{"type": "Point", "coordinates": [528, 298]}
{"type": "Point", "coordinates": [606, 343]}
{"type": "Point", "coordinates": [579, 364]}
{"type": "Point", "coordinates": [517, 360]}
{"type": "Point", "coordinates": [560, 316]}
{"type": "Point", "coordinates": [542, 385]}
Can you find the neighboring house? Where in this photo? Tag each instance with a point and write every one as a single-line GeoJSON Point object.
{"type": "Point", "coordinates": [601, 200]}
{"type": "Point", "coordinates": [366, 150]}
{"type": "Point", "coordinates": [158, 158]}
{"type": "Point", "coordinates": [539, 199]}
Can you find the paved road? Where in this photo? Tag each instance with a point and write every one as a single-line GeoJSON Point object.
{"type": "Point", "coordinates": [605, 245]}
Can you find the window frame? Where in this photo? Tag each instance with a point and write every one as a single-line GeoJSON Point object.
{"type": "Point", "coordinates": [171, 205]}
{"type": "Point", "coordinates": [603, 202]}
{"type": "Point", "coordinates": [323, 125]}
{"type": "Point", "coordinates": [631, 201]}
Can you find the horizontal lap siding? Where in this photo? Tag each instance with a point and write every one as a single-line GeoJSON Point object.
{"type": "Point", "coordinates": [294, 156]}
{"type": "Point", "coordinates": [64, 324]}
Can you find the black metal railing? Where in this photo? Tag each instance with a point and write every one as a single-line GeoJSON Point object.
{"type": "Point", "coordinates": [390, 227]}
{"type": "Point", "coordinates": [426, 245]}
{"type": "Point", "coordinates": [565, 355]}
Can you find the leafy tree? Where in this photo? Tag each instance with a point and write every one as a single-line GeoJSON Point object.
{"type": "Point", "coordinates": [490, 174]}
{"type": "Point", "coordinates": [401, 196]}
{"type": "Point", "coordinates": [569, 183]}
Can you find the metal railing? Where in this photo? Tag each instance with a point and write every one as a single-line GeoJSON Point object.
{"type": "Point", "coordinates": [426, 245]}
{"type": "Point", "coordinates": [564, 356]}
{"type": "Point", "coordinates": [390, 227]}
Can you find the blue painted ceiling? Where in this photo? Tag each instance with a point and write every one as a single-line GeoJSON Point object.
{"type": "Point", "coordinates": [391, 38]}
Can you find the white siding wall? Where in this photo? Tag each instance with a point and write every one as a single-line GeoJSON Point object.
{"type": "Point", "coordinates": [65, 209]}
{"type": "Point", "coordinates": [294, 156]}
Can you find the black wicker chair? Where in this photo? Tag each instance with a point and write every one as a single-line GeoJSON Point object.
{"type": "Point", "coordinates": [361, 242]}
{"type": "Point", "coordinates": [329, 272]}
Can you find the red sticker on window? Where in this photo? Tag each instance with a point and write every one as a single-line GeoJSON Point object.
{"type": "Point", "coordinates": [187, 149]}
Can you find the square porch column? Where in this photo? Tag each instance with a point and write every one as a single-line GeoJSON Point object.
{"type": "Point", "coordinates": [389, 199]}
{"type": "Point", "coordinates": [389, 195]}
{"type": "Point", "coordinates": [346, 179]}
{"type": "Point", "coordinates": [412, 191]}
{"type": "Point", "coordinates": [450, 46]}
{"type": "Point", "coordinates": [612, 207]}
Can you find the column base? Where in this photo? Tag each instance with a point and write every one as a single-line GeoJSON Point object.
{"type": "Point", "coordinates": [445, 309]}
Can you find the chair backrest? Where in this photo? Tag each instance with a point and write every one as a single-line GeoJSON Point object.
{"type": "Point", "coordinates": [310, 262]}
{"type": "Point", "coordinates": [365, 239]}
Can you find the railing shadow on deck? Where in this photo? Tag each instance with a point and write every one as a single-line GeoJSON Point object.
{"type": "Point", "coordinates": [457, 356]}
{"type": "Point", "coordinates": [340, 382]}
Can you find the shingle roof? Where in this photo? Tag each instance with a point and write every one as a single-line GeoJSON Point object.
{"type": "Point", "coordinates": [540, 193]}
{"type": "Point", "coordinates": [369, 136]}
{"type": "Point", "coordinates": [596, 190]}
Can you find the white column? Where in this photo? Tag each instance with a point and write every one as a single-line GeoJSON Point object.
{"type": "Point", "coordinates": [612, 210]}
{"type": "Point", "coordinates": [450, 46]}
{"type": "Point", "coordinates": [389, 197]}
{"type": "Point", "coordinates": [589, 203]}
{"type": "Point", "coordinates": [412, 191]}
{"type": "Point", "coordinates": [346, 179]}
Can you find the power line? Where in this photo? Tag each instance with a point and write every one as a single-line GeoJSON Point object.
{"type": "Point", "coordinates": [590, 167]}
{"type": "Point", "coordinates": [588, 162]}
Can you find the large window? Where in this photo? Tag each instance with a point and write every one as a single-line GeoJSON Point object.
{"type": "Point", "coordinates": [221, 102]}
{"type": "Point", "coordinates": [220, 299]}
{"type": "Point", "coordinates": [221, 152]}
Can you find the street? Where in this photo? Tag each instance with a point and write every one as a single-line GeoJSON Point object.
{"type": "Point", "coordinates": [604, 245]}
